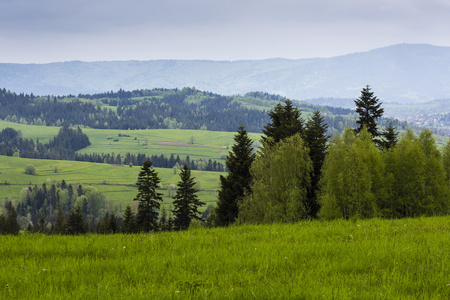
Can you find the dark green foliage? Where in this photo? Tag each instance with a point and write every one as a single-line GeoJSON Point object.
{"type": "Point", "coordinates": [316, 140]}
{"type": "Point", "coordinates": [60, 222]}
{"type": "Point", "coordinates": [113, 223]}
{"type": "Point", "coordinates": [11, 225]}
{"type": "Point", "coordinates": [76, 223]}
{"type": "Point", "coordinates": [369, 111]}
{"type": "Point", "coordinates": [285, 122]}
{"type": "Point", "coordinates": [238, 179]}
{"type": "Point", "coordinates": [129, 221]}
{"type": "Point", "coordinates": [63, 146]}
{"type": "Point", "coordinates": [149, 199]}
{"type": "Point", "coordinates": [103, 226]}
{"type": "Point", "coordinates": [186, 201]}
{"type": "Point", "coordinates": [2, 224]}
{"type": "Point", "coordinates": [389, 137]}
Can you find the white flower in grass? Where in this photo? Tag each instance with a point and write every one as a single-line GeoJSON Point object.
{"type": "Point", "coordinates": [44, 270]}
{"type": "Point", "coordinates": [124, 247]}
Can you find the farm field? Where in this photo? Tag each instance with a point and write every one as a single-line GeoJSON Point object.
{"type": "Point", "coordinates": [365, 259]}
{"type": "Point", "coordinates": [206, 144]}
{"type": "Point", "coordinates": [115, 182]}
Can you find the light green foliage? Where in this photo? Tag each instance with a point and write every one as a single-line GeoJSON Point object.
{"type": "Point", "coordinates": [417, 178]}
{"type": "Point", "coordinates": [352, 177]}
{"type": "Point", "coordinates": [30, 169]}
{"type": "Point", "coordinates": [446, 161]}
{"type": "Point", "coordinates": [372, 259]}
{"type": "Point", "coordinates": [280, 181]}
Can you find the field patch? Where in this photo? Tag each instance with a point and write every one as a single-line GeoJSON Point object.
{"type": "Point", "coordinates": [186, 145]}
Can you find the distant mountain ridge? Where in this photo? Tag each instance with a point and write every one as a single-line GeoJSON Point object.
{"type": "Point", "coordinates": [404, 73]}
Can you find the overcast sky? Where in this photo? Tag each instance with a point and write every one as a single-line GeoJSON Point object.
{"type": "Point", "coordinates": [40, 31]}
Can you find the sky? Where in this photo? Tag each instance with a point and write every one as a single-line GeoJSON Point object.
{"type": "Point", "coordinates": [43, 31]}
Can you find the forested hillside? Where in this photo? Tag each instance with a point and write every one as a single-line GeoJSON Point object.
{"type": "Point", "coordinates": [187, 108]}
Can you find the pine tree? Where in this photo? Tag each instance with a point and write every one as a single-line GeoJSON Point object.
{"type": "Point", "coordinates": [369, 111]}
{"type": "Point", "coordinates": [113, 223]}
{"type": "Point", "coordinates": [186, 201]}
{"type": "Point", "coordinates": [60, 222]}
{"type": "Point", "coordinates": [2, 224]}
{"type": "Point", "coordinates": [389, 137]}
{"type": "Point", "coordinates": [316, 139]}
{"type": "Point", "coordinates": [238, 179]}
{"type": "Point", "coordinates": [76, 223]}
{"type": "Point", "coordinates": [129, 221]}
{"type": "Point", "coordinates": [149, 199]}
{"type": "Point", "coordinates": [11, 225]}
{"type": "Point", "coordinates": [285, 122]}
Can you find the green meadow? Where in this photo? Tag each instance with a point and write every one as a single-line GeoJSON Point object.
{"type": "Point", "coordinates": [198, 144]}
{"type": "Point", "coordinates": [115, 182]}
{"type": "Point", "coordinates": [366, 259]}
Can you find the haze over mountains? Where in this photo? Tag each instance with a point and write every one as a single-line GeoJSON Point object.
{"type": "Point", "coordinates": [404, 73]}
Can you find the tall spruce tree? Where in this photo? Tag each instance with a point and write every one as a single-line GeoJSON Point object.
{"type": "Point", "coordinates": [186, 201]}
{"type": "Point", "coordinates": [316, 140]}
{"type": "Point", "coordinates": [369, 111]}
{"type": "Point", "coordinates": [285, 122]}
{"type": "Point", "coordinates": [237, 181]}
{"type": "Point", "coordinates": [149, 199]}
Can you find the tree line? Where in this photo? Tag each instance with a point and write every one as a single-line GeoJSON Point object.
{"type": "Point", "coordinates": [186, 108]}
{"type": "Point", "coordinates": [62, 147]}
{"type": "Point", "coordinates": [363, 173]}
{"type": "Point", "coordinates": [69, 140]}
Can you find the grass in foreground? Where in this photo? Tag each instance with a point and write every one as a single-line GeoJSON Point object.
{"type": "Point", "coordinates": [371, 259]}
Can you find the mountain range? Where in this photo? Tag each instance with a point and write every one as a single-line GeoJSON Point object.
{"type": "Point", "coordinates": [404, 73]}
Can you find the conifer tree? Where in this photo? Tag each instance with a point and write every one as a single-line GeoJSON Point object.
{"type": "Point", "coordinates": [238, 179]}
{"type": "Point", "coordinates": [129, 221]}
{"type": "Point", "coordinates": [389, 137]}
{"type": "Point", "coordinates": [76, 223]}
{"type": "Point", "coordinates": [59, 222]}
{"type": "Point", "coordinates": [149, 199]}
{"type": "Point", "coordinates": [2, 224]}
{"type": "Point", "coordinates": [186, 201]}
{"type": "Point", "coordinates": [285, 122]}
{"type": "Point", "coordinates": [316, 140]}
{"type": "Point", "coordinates": [369, 111]}
{"type": "Point", "coordinates": [113, 223]}
{"type": "Point", "coordinates": [11, 225]}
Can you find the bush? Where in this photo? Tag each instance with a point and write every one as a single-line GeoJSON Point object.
{"type": "Point", "coordinates": [30, 169]}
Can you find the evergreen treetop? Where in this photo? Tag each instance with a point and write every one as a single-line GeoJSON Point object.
{"type": "Point", "coordinates": [369, 111]}
{"type": "Point", "coordinates": [285, 122]}
{"type": "Point", "coordinates": [237, 181]}
{"type": "Point", "coordinates": [186, 201]}
{"type": "Point", "coordinates": [149, 199]}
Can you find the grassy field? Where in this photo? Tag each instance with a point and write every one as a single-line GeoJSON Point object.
{"type": "Point", "coordinates": [206, 144]}
{"type": "Point", "coordinates": [115, 182]}
{"type": "Point", "coordinates": [371, 259]}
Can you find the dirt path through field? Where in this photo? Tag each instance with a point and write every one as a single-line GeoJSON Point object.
{"type": "Point", "coordinates": [186, 145]}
